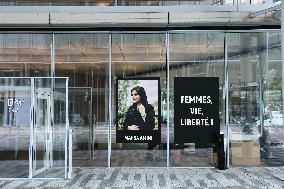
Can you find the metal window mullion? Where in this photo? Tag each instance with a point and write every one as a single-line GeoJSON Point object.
{"type": "Point", "coordinates": [168, 98]}
{"type": "Point", "coordinates": [67, 123]}
{"type": "Point", "coordinates": [66, 130]}
{"type": "Point", "coordinates": [52, 71]}
{"type": "Point", "coordinates": [70, 147]}
{"type": "Point", "coordinates": [31, 130]}
{"type": "Point", "coordinates": [227, 134]}
{"type": "Point", "coordinates": [92, 125]}
{"type": "Point", "coordinates": [47, 134]}
{"type": "Point", "coordinates": [109, 99]}
{"type": "Point", "coordinates": [282, 52]}
{"type": "Point", "coordinates": [261, 87]}
{"type": "Point", "coordinates": [52, 125]}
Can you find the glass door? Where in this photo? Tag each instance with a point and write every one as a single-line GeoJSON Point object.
{"type": "Point", "coordinates": [34, 125]}
{"type": "Point", "coordinates": [42, 127]}
{"type": "Point", "coordinates": [50, 126]}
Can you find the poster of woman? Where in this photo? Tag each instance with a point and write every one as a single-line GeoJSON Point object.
{"type": "Point", "coordinates": [138, 110]}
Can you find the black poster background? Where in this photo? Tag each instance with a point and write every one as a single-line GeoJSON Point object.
{"type": "Point", "coordinates": [196, 86]}
{"type": "Point", "coordinates": [121, 135]}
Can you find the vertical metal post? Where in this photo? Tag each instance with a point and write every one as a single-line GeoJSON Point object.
{"type": "Point", "coordinates": [226, 88]}
{"type": "Point", "coordinates": [93, 124]}
{"type": "Point", "coordinates": [67, 130]}
{"type": "Point", "coordinates": [168, 97]}
{"type": "Point", "coordinates": [109, 98]}
{"type": "Point", "coordinates": [48, 134]}
{"type": "Point", "coordinates": [52, 125]}
{"type": "Point", "coordinates": [70, 146]}
{"type": "Point", "coordinates": [52, 48]}
{"type": "Point", "coordinates": [260, 79]}
{"type": "Point", "coordinates": [31, 129]}
{"type": "Point", "coordinates": [282, 52]}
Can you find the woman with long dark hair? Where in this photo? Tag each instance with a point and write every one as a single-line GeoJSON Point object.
{"type": "Point", "coordinates": [140, 115]}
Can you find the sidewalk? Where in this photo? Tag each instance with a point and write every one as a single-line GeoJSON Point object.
{"type": "Point", "coordinates": [260, 177]}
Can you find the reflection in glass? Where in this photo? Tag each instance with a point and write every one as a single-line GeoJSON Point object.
{"type": "Point", "coordinates": [49, 128]}
{"type": "Point", "coordinates": [33, 140]}
{"type": "Point", "coordinates": [25, 55]}
{"type": "Point", "coordinates": [84, 59]}
{"type": "Point", "coordinates": [195, 55]}
{"type": "Point", "coordinates": [15, 103]}
{"type": "Point", "coordinates": [138, 56]}
{"type": "Point", "coordinates": [255, 102]}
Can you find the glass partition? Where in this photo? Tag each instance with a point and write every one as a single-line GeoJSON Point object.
{"type": "Point", "coordinates": [272, 151]}
{"type": "Point", "coordinates": [84, 59]}
{"type": "Point", "coordinates": [81, 121]}
{"type": "Point", "coordinates": [255, 102]}
{"type": "Point", "coordinates": [15, 127]}
{"type": "Point", "coordinates": [195, 55]}
{"type": "Point", "coordinates": [256, 131]}
{"type": "Point", "coordinates": [138, 60]}
{"type": "Point", "coordinates": [245, 96]}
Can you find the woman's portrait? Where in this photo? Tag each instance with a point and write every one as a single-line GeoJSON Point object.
{"type": "Point", "coordinates": [138, 105]}
{"type": "Point", "coordinates": [140, 115]}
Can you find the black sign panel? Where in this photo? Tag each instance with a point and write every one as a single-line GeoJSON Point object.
{"type": "Point", "coordinates": [196, 109]}
{"type": "Point", "coordinates": [138, 110]}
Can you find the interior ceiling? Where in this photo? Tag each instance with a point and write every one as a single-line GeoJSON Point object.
{"type": "Point", "coordinates": [97, 55]}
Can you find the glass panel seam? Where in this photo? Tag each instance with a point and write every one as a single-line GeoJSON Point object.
{"type": "Point", "coordinates": [109, 100]}
{"type": "Point", "coordinates": [168, 100]}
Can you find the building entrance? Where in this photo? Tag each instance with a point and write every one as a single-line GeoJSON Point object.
{"type": "Point", "coordinates": [34, 127]}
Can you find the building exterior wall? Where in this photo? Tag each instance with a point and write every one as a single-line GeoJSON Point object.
{"type": "Point", "coordinates": [47, 40]}
{"type": "Point", "coordinates": [254, 131]}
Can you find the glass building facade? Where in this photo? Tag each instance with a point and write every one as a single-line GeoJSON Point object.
{"type": "Point", "coordinates": [84, 67]}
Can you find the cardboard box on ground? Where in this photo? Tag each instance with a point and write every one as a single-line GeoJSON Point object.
{"type": "Point", "coordinates": [213, 159]}
{"type": "Point", "coordinates": [245, 153]}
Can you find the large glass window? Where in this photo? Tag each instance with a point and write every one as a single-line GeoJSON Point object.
{"type": "Point", "coordinates": [195, 55]}
{"type": "Point", "coordinates": [25, 55]}
{"type": "Point", "coordinates": [256, 131]}
{"type": "Point", "coordinates": [139, 56]}
{"type": "Point", "coordinates": [84, 59]}
{"type": "Point", "coordinates": [255, 102]}
{"type": "Point", "coordinates": [21, 55]}
{"type": "Point", "coordinates": [15, 127]}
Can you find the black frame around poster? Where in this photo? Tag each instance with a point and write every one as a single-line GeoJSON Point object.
{"type": "Point", "coordinates": [126, 136]}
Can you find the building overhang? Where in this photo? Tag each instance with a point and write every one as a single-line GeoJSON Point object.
{"type": "Point", "coordinates": [138, 16]}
